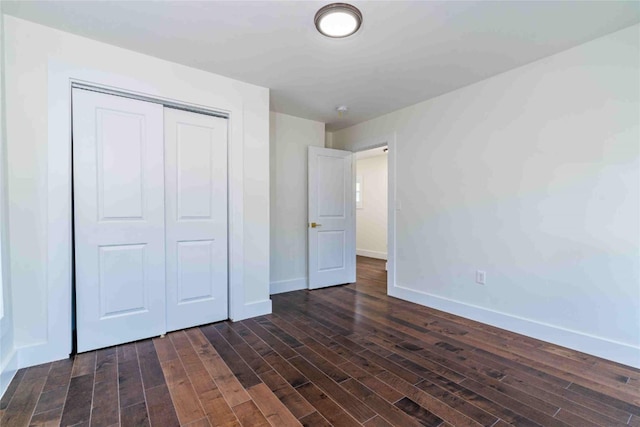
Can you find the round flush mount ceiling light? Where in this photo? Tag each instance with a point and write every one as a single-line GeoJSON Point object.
{"type": "Point", "coordinates": [338, 20]}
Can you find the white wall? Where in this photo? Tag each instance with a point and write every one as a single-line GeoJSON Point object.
{"type": "Point", "coordinates": [32, 52]}
{"type": "Point", "coordinates": [8, 359]}
{"type": "Point", "coordinates": [371, 219]}
{"type": "Point", "coordinates": [290, 137]}
{"type": "Point", "coordinates": [328, 139]}
{"type": "Point", "coordinates": [533, 176]}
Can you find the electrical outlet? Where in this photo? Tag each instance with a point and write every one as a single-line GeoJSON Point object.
{"type": "Point", "coordinates": [481, 277]}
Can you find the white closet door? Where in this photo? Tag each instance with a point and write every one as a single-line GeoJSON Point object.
{"type": "Point", "coordinates": [118, 180]}
{"type": "Point", "coordinates": [196, 218]}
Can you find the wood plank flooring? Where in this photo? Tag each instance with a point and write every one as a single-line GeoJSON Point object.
{"type": "Point", "coordinates": [343, 356]}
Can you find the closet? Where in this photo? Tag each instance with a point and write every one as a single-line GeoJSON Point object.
{"type": "Point", "coordinates": [150, 218]}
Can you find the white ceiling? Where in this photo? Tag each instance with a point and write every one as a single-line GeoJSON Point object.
{"type": "Point", "coordinates": [404, 53]}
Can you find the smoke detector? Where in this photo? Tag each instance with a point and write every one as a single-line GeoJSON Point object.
{"type": "Point", "coordinates": [342, 110]}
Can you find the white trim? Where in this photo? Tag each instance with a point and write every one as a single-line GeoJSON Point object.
{"type": "Point", "coordinates": [601, 347]}
{"type": "Point", "coordinates": [371, 254]}
{"type": "Point", "coordinates": [359, 190]}
{"type": "Point", "coordinates": [165, 102]}
{"type": "Point", "coordinates": [351, 236]}
{"type": "Point", "coordinates": [235, 182]}
{"type": "Point", "coordinates": [39, 353]}
{"type": "Point", "coordinates": [282, 286]}
{"type": "Point", "coordinates": [8, 371]}
{"type": "Point", "coordinates": [59, 263]}
{"type": "Point", "coordinates": [257, 308]}
{"type": "Point", "coordinates": [392, 207]}
{"type": "Point", "coordinates": [390, 142]}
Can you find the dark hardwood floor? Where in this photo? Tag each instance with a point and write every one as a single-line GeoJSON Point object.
{"type": "Point", "coordinates": [343, 356]}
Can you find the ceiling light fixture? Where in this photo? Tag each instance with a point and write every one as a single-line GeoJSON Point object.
{"type": "Point", "coordinates": [338, 20]}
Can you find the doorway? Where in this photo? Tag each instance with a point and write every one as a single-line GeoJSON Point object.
{"type": "Point", "coordinates": [332, 195]}
{"type": "Point", "coordinates": [371, 195]}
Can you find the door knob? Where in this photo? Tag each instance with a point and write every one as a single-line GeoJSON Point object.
{"type": "Point", "coordinates": [314, 225]}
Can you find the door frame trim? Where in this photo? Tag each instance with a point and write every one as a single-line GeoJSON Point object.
{"type": "Point", "coordinates": [61, 77]}
{"type": "Point", "coordinates": [388, 140]}
{"type": "Point", "coordinates": [75, 84]}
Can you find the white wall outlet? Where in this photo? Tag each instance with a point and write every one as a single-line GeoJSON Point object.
{"type": "Point", "coordinates": [481, 277]}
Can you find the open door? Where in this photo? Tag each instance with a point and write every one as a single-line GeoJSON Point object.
{"type": "Point", "coordinates": [332, 249]}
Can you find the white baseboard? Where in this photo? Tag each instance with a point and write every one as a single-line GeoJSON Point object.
{"type": "Point", "coordinates": [39, 353]}
{"type": "Point", "coordinates": [597, 346]}
{"type": "Point", "coordinates": [371, 254]}
{"type": "Point", "coordinates": [24, 357]}
{"type": "Point", "coordinates": [8, 371]}
{"type": "Point", "coordinates": [282, 286]}
{"type": "Point", "coordinates": [44, 352]}
{"type": "Point", "coordinates": [254, 309]}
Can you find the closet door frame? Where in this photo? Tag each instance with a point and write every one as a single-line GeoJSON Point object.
{"type": "Point", "coordinates": [61, 78]}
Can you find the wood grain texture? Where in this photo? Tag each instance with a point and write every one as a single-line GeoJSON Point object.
{"type": "Point", "coordinates": [129, 381]}
{"type": "Point", "coordinates": [345, 356]}
{"type": "Point", "coordinates": [228, 384]}
{"type": "Point", "coordinates": [273, 409]}
{"type": "Point", "coordinates": [315, 420]}
{"type": "Point", "coordinates": [249, 414]}
{"type": "Point", "coordinates": [295, 403]}
{"type": "Point", "coordinates": [50, 400]}
{"type": "Point", "coordinates": [160, 407]}
{"type": "Point", "coordinates": [105, 389]}
{"type": "Point", "coordinates": [411, 408]}
{"type": "Point", "coordinates": [327, 407]}
{"type": "Point", "coordinates": [50, 418]}
{"type": "Point", "coordinates": [184, 397]}
{"type": "Point", "coordinates": [23, 402]}
{"type": "Point", "coordinates": [134, 416]}
{"type": "Point", "coordinates": [77, 407]}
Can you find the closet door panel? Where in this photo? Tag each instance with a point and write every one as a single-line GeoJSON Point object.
{"type": "Point", "coordinates": [118, 180]}
{"type": "Point", "coordinates": [196, 218]}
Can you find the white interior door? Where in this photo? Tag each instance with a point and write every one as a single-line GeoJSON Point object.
{"type": "Point", "coordinates": [332, 249]}
{"type": "Point", "coordinates": [118, 176]}
{"type": "Point", "coordinates": [196, 218]}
